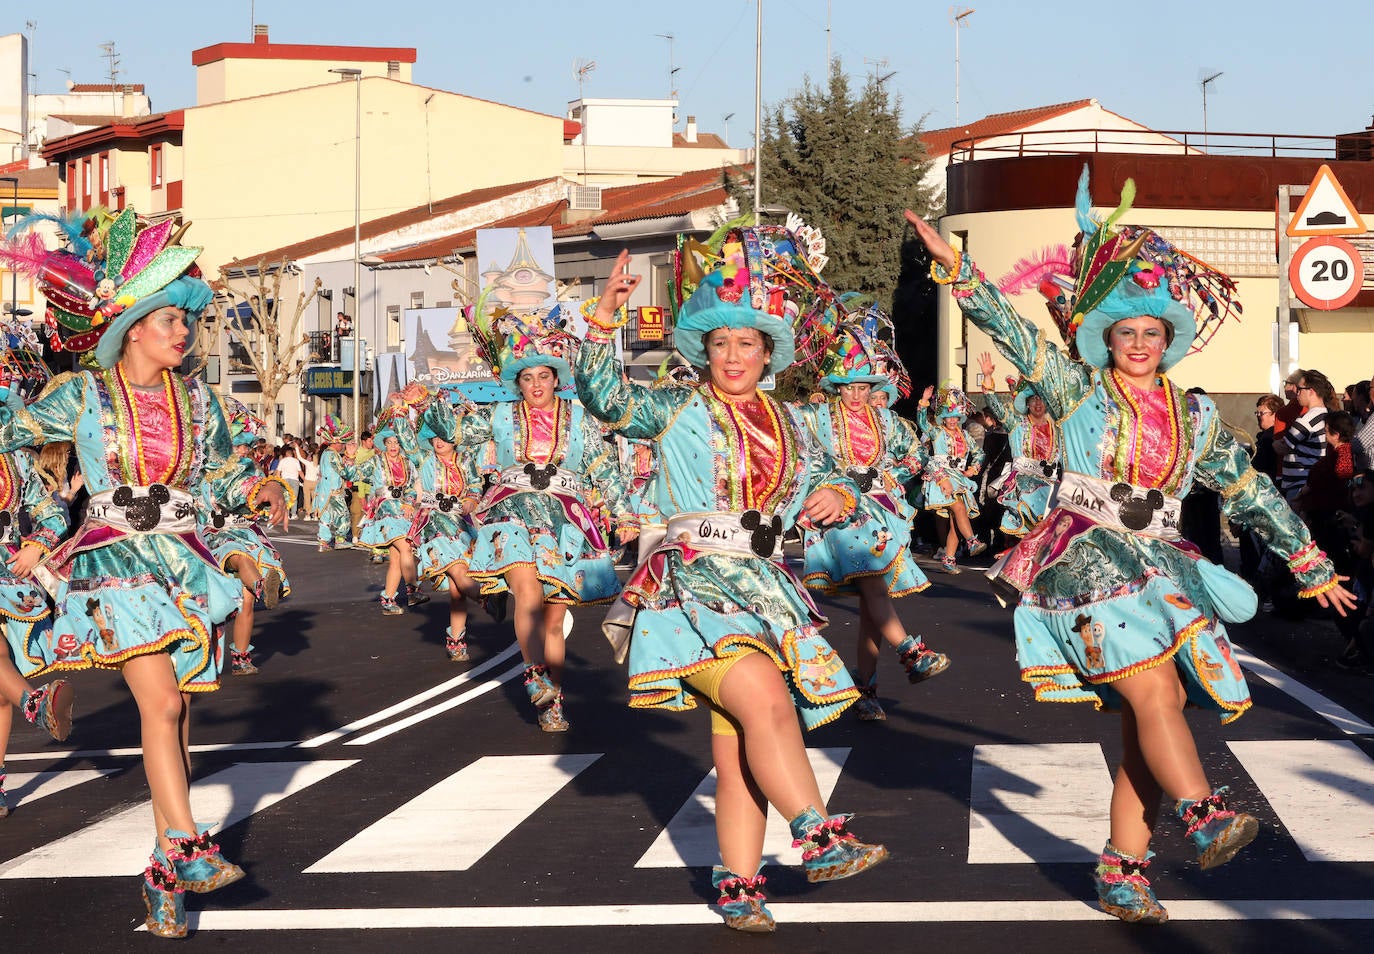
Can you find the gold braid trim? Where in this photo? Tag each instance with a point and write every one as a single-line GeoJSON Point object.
{"type": "Point", "coordinates": [1248, 477]}
{"type": "Point", "coordinates": [1038, 371]}
{"type": "Point", "coordinates": [1320, 588]}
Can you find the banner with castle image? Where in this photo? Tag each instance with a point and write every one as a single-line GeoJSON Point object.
{"type": "Point", "coordinates": [517, 271]}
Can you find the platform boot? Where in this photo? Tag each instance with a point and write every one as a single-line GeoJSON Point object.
{"type": "Point", "coordinates": [1217, 831]}
{"type": "Point", "coordinates": [742, 902]}
{"type": "Point", "coordinates": [829, 851]}
{"type": "Point", "coordinates": [920, 662]}
{"type": "Point", "coordinates": [1123, 891]}
{"type": "Point", "coordinates": [50, 708]}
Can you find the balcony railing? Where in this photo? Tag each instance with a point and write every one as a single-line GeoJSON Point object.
{"type": "Point", "coordinates": [323, 348]}
{"type": "Point", "coordinates": [1050, 142]}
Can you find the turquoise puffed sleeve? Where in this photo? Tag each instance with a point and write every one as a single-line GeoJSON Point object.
{"type": "Point", "coordinates": [904, 446]}
{"type": "Point", "coordinates": [1060, 380]}
{"type": "Point", "coordinates": [1002, 411]}
{"type": "Point", "coordinates": [49, 518]}
{"type": "Point", "coordinates": [629, 409]}
{"type": "Point", "coordinates": [52, 417]}
{"type": "Point", "coordinates": [604, 473]}
{"type": "Point", "coordinates": [1250, 499]}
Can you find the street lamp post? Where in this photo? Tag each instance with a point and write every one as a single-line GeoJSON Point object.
{"type": "Point", "coordinates": [357, 75]}
{"type": "Point", "coordinates": [14, 275]}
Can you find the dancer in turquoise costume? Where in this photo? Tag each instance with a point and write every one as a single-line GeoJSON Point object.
{"type": "Point", "coordinates": [948, 487]}
{"type": "Point", "coordinates": [238, 543]}
{"type": "Point", "coordinates": [136, 588]}
{"type": "Point", "coordinates": [27, 616]}
{"type": "Point", "coordinates": [869, 554]}
{"type": "Point", "coordinates": [540, 535]}
{"type": "Point", "coordinates": [442, 528]}
{"type": "Point", "coordinates": [390, 509]}
{"type": "Point", "coordinates": [1116, 609]}
{"type": "Point", "coordinates": [331, 492]}
{"type": "Point", "coordinates": [1026, 487]}
{"type": "Point", "coordinates": [712, 613]}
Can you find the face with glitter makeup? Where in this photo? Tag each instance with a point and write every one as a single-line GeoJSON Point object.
{"type": "Point", "coordinates": [855, 397]}
{"type": "Point", "coordinates": [159, 338]}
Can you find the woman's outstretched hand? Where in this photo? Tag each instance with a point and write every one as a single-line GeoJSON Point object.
{"type": "Point", "coordinates": [939, 249]}
{"type": "Point", "coordinates": [619, 287]}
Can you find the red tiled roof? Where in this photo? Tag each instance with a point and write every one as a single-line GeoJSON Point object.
{"type": "Point", "coordinates": [939, 142]}
{"type": "Point", "coordinates": [262, 49]}
{"type": "Point", "coordinates": [679, 195]}
{"type": "Point", "coordinates": [105, 88]}
{"type": "Point", "coordinates": [87, 119]}
{"type": "Point", "coordinates": [571, 129]}
{"type": "Point", "coordinates": [374, 227]}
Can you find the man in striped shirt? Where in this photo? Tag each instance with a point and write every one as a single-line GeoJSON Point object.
{"type": "Point", "coordinates": [1304, 440]}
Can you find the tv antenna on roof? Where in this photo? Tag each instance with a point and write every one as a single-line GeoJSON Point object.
{"type": "Point", "coordinates": [581, 68]}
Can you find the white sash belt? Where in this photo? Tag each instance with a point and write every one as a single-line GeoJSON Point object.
{"type": "Point", "coordinates": [153, 509]}
{"type": "Point", "coordinates": [747, 534]}
{"type": "Point", "coordinates": [1119, 505]}
{"type": "Point", "coordinates": [541, 478]}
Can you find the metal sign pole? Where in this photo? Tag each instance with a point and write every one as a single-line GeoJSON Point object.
{"type": "Point", "coordinates": [1285, 358]}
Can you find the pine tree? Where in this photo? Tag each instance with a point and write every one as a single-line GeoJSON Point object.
{"type": "Point", "coordinates": [848, 165]}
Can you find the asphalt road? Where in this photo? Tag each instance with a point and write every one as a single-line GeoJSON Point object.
{"type": "Point", "coordinates": [382, 798]}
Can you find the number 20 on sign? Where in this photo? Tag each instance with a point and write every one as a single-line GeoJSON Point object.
{"type": "Point", "coordinates": [1326, 273]}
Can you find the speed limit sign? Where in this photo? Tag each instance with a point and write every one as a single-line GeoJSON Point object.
{"type": "Point", "coordinates": [1326, 273]}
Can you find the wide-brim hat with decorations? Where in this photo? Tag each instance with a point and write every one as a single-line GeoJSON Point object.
{"type": "Point", "coordinates": [764, 277]}
{"type": "Point", "coordinates": [952, 402]}
{"type": "Point", "coordinates": [1022, 391]}
{"type": "Point", "coordinates": [1127, 272]}
{"type": "Point", "coordinates": [112, 273]}
{"type": "Point", "coordinates": [245, 427]}
{"type": "Point", "coordinates": [511, 341]}
{"type": "Point", "coordinates": [863, 352]}
{"type": "Point", "coordinates": [333, 432]}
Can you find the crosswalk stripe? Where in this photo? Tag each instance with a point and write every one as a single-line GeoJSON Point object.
{"type": "Point", "coordinates": [1339, 716]}
{"type": "Point", "coordinates": [495, 794]}
{"type": "Point", "coordinates": [1038, 803]}
{"type": "Point", "coordinates": [834, 913]}
{"type": "Point", "coordinates": [1322, 791]}
{"type": "Point", "coordinates": [120, 844]}
{"type": "Point", "coordinates": [29, 787]}
{"type": "Point", "coordinates": [690, 838]}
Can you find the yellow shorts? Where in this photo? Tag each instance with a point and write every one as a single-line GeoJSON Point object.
{"type": "Point", "coordinates": [705, 685]}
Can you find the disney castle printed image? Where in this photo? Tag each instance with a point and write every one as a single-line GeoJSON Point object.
{"type": "Point", "coordinates": [442, 346]}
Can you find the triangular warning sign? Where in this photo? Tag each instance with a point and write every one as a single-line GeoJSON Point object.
{"type": "Point", "coordinates": [1325, 209]}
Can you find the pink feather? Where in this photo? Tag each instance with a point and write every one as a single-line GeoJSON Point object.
{"type": "Point", "coordinates": [25, 254]}
{"type": "Point", "coordinates": [1028, 272]}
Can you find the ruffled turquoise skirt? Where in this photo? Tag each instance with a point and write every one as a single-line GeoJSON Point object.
{"type": "Point", "coordinates": [143, 594]}
{"type": "Point", "coordinates": [249, 542]}
{"type": "Point", "coordinates": [388, 523]}
{"type": "Point", "coordinates": [445, 540]}
{"type": "Point", "coordinates": [1116, 605]}
{"type": "Point", "coordinates": [1025, 499]}
{"type": "Point", "coordinates": [531, 529]}
{"type": "Point", "coordinates": [962, 488]}
{"type": "Point", "coordinates": [874, 543]}
{"type": "Point", "coordinates": [27, 621]}
{"type": "Point", "coordinates": [693, 608]}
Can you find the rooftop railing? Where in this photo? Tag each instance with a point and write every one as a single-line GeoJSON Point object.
{"type": "Point", "coordinates": [1352, 147]}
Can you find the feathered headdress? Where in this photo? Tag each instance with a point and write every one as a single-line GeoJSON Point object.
{"type": "Point", "coordinates": [333, 432]}
{"type": "Point", "coordinates": [110, 275]}
{"type": "Point", "coordinates": [952, 402]}
{"type": "Point", "coordinates": [245, 427]}
{"type": "Point", "coordinates": [1115, 273]}
{"type": "Point", "coordinates": [511, 341]}
{"type": "Point", "coordinates": [770, 270]}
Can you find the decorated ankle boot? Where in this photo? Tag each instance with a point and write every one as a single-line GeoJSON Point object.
{"type": "Point", "coordinates": [742, 901]}
{"type": "Point", "coordinates": [413, 595]}
{"type": "Point", "coordinates": [197, 861]}
{"type": "Point", "coordinates": [551, 717]}
{"type": "Point", "coordinates": [457, 646]}
{"type": "Point", "coordinates": [241, 663]}
{"type": "Point", "coordinates": [165, 900]}
{"type": "Point", "coordinates": [867, 708]}
{"type": "Point", "coordinates": [50, 707]}
{"type": "Point", "coordinates": [389, 605]}
{"type": "Point", "coordinates": [540, 687]}
{"type": "Point", "coordinates": [919, 662]}
{"type": "Point", "coordinates": [4, 803]}
{"type": "Point", "coordinates": [1217, 831]}
{"type": "Point", "coordinates": [948, 564]}
{"type": "Point", "coordinates": [829, 851]}
{"type": "Point", "coordinates": [1123, 891]}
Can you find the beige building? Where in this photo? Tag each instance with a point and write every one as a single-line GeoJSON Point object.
{"type": "Point", "coordinates": [1218, 206]}
{"type": "Point", "coordinates": [624, 141]}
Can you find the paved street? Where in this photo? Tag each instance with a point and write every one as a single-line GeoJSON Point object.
{"type": "Point", "coordinates": [383, 798]}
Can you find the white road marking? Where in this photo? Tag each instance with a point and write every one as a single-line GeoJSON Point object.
{"type": "Point", "coordinates": [1337, 715]}
{"type": "Point", "coordinates": [25, 788]}
{"type": "Point", "coordinates": [690, 838]}
{"type": "Point", "coordinates": [837, 913]}
{"type": "Point", "coordinates": [121, 843]}
{"type": "Point", "coordinates": [1038, 803]}
{"type": "Point", "coordinates": [134, 751]}
{"type": "Point", "coordinates": [443, 687]}
{"type": "Point", "coordinates": [439, 709]}
{"type": "Point", "coordinates": [1322, 791]}
{"type": "Point", "coordinates": [494, 795]}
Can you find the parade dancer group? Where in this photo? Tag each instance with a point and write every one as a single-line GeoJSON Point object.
{"type": "Point", "coordinates": [528, 498]}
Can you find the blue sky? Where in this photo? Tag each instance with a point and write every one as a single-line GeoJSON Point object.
{"type": "Point", "coordinates": [1287, 68]}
